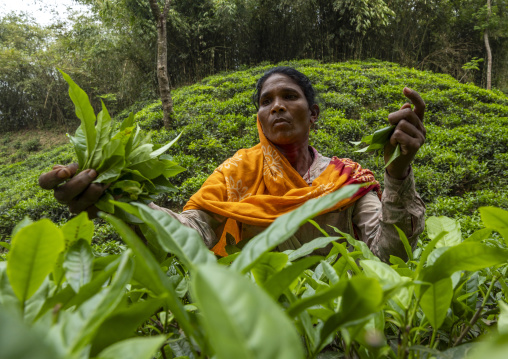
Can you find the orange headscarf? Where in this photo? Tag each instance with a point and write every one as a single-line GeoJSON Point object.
{"type": "Point", "coordinates": [258, 184]}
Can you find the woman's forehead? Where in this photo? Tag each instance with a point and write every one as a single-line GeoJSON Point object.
{"type": "Point", "coordinates": [279, 82]}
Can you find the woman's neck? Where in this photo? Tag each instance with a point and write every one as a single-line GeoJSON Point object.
{"type": "Point", "coordinates": [299, 157]}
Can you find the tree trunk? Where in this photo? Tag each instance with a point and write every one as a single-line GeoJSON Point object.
{"type": "Point", "coordinates": [162, 59]}
{"type": "Point", "coordinates": [487, 47]}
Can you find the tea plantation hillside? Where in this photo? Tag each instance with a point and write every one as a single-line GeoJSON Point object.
{"type": "Point", "coordinates": [462, 166]}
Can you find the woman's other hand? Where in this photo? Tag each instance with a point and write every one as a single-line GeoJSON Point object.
{"type": "Point", "coordinates": [409, 134]}
{"type": "Point", "coordinates": [76, 191]}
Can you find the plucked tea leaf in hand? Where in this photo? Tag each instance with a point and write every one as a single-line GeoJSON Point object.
{"type": "Point", "coordinates": [124, 157]}
{"type": "Point", "coordinates": [377, 141]}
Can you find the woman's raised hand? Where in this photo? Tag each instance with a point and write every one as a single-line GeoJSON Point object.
{"type": "Point", "coordinates": [409, 134]}
{"type": "Point", "coordinates": [76, 191]}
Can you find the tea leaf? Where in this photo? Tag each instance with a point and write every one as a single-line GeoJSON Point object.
{"type": "Point", "coordinates": [34, 251]}
{"type": "Point", "coordinates": [134, 348]}
{"type": "Point", "coordinates": [436, 300]}
{"type": "Point", "coordinates": [262, 331]}
{"type": "Point", "coordinates": [78, 264]}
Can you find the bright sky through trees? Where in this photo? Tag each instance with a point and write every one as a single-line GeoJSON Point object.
{"type": "Point", "coordinates": [43, 11]}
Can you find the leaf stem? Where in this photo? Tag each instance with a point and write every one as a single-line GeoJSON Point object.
{"type": "Point", "coordinates": [477, 314]}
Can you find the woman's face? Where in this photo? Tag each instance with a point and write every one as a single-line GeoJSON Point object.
{"type": "Point", "coordinates": [284, 112]}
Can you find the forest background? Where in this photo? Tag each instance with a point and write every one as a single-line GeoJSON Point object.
{"type": "Point", "coordinates": [111, 51]}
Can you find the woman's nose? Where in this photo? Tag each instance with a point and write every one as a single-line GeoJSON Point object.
{"type": "Point", "coordinates": [278, 106]}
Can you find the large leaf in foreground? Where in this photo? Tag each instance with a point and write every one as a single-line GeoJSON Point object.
{"type": "Point", "coordinates": [361, 297]}
{"type": "Point", "coordinates": [33, 254]}
{"type": "Point", "coordinates": [174, 237]}
{"type": "Point", "coordinates": [78, 264]}
{"type": "Point", "coordinates": [241, 320]}
{"type": "Point", "coordinates": [135, 348]}
{"type": "Point", "coordinates": [285, 226]}
{"type": "Point", "coordinates": [152, 275]}
{"type": "Point", "coordinates": [436, 300]}
{"type": "Point", "coordinates": [470, 256]}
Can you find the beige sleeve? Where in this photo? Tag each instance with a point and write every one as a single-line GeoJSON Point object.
{"type": "Point", "coordinates": [203, 222]}
{"type": "Point", "coordinates": [400, 205]}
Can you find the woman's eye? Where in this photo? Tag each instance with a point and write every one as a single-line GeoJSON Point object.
{"type": "Point", "coordinates": [265, 102]}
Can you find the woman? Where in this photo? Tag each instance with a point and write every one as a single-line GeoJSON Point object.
{"type": "Point", "coordinates": [250, 190]}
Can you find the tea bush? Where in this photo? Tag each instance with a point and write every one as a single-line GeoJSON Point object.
{"type": "Point", "coordinates": [172, 298]}
{"type": "Point", "coordinates": [465, 153]}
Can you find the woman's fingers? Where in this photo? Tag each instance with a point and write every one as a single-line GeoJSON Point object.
{"type": "Point", "coordinates": [75, 186]}
{"type": "Point", "coordinates": [406, 114]}
{"type": "Point", "coordinates": [58, 175]}
{"type": "Point", "coordinates": [87, 199]}
{"type": "Point", "coordinates": [416, 99]}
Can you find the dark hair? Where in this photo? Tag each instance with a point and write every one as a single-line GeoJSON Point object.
{"type": "Point", "coordinates": [302, 81]}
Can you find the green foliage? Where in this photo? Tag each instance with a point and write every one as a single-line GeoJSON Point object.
{"type": "Point", "coordinates": [140, 304]}
{"type": "Point", "coordinates": [125, 158]}
{"type": "Point", "coordinates": [462, 166]}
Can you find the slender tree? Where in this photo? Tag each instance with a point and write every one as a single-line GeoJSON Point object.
{"type": "Point", "coordinates": [162, 58]}
{"type": "Point", "coordinates": [487, 47]}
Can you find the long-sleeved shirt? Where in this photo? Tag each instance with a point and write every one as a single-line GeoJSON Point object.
{"type": "Point", "coordinates": [370, 220]}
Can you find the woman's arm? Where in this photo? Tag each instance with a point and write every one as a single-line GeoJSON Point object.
{"type": "Point", "coordinates": [401, 206]}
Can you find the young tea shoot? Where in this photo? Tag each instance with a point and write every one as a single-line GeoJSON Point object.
{"type": "Point", "coordinates": [124, 158]}
{"type": "Point", "coordinates": [376, 143]}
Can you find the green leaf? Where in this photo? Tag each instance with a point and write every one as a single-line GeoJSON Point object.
{"type": "Point", "coordinates": [123, 322]}
{"type": "Point", "coordinates": [164, 148]}
{"type": "Point", "coordinates": [79, 143]}
{"type": "Point", "coordinates": [386, 275]}
{"type": "Point", "coordinates": [150, 273]}
{"type": "Point", "coordinates": [436, 225]}
{"type": "Point", "coordinates": [34, 251]}
{"type": "Point", "coordinates": [135, 348]}
{"type": "Point", "coordinates": [309, 247]}
{"type": "Point", "coordinates": [436, 300]}
{"type": "Point", "coordinates": [21, 224]}
{"type": "Point", "coordinates": [319, 298]}
{"type": "Point", "coordinates": [104, 203]}
{"type": "Point", "coordinates": [269, 264]}
{"type": "Point", "coordinates": [479, 235]}
{"type": "Point", "coordinates": [79, 227]}
{"type": "Point", "coordinates": [495, 218]}
{"type": "Point", "coordinates": [395, 154]}
{"type": "Point", "coordinates": [263, 331]}
{"type": "Point", "coordinates": [84, 111]}
{"type": "Point", "coordinates": [78, 264]}
{"type": "Point", "coordinates": [345, 254]}
{"type": "Point", "coordinates": [502, 322]}
{"type": "Point", "coordinates": [280, 281]}
{"type": "Point", "coordinates": [426, 252]}
{"type": "Point", "coordinates": [285, 226]}
{"type": "Point", "coordinates": [405, 242]}
{"type": "Point", "coordinates": [174, 237]}
{"type": "Point", "coordinates": [470, 256]}
{"type": "Point", "coordinates": [358, 245]}
{"type": "Point", "coordinates": [103, 131]}
{"type": "Point", "coordinates": [128, 122]}
{"type": "Point", "coordinates": [362, 297]}
{"type": "Point", "coordinates": [95, 311]}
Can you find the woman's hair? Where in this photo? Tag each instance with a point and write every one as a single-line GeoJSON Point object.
{"type": "Point", "coordinates": [302, 81]}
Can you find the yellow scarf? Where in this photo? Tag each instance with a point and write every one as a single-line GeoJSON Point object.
{"type": "Point", "coordinates": [258, 184]}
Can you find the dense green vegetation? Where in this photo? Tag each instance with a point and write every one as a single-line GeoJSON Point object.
{"type": "Point", "coordinates": [462, 166]}
{"type": "Point", "coordinates": [255, 303]}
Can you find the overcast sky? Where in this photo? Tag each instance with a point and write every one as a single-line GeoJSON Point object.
{"type": "Point", "coordinates": [44, 11]}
